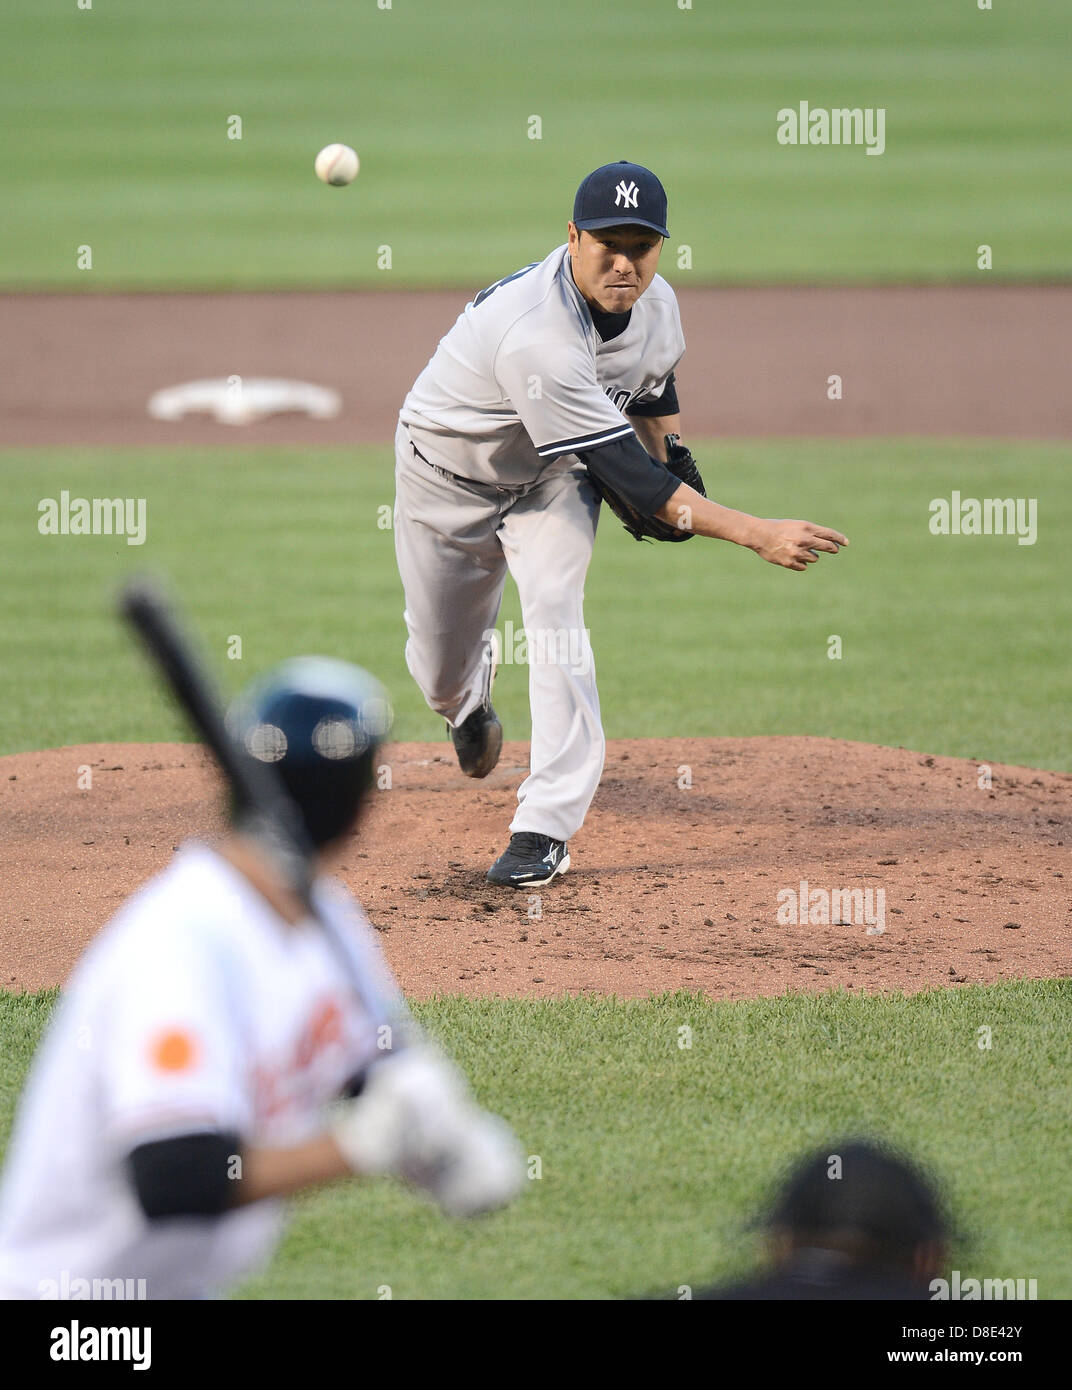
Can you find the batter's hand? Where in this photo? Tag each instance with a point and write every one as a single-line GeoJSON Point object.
{"type": "Point", "coordinates": [415, 1119]}
{"type": "Point", "coordinates": [794, 544]}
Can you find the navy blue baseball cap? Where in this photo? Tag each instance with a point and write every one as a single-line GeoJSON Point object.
{"type": "Point", "coordinates": [620, 195]}
{"type": "Point", "coordinates": [319, 723]}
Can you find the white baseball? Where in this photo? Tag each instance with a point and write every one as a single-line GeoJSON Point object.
{"type": "Point", "coordinates": [337, 165]}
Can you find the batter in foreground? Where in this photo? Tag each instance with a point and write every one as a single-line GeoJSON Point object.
{"type": "Point", "coordinates": [217, 1049]}
{"type": "Point", "coordinates": [553, 390]}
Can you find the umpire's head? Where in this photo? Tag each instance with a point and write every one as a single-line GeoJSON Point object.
{"type": "Point", "coordinates": [864, 1201]}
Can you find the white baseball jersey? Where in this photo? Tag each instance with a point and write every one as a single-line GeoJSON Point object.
{"type": "Point", "coordinates": [523, 379]}
{"type": "Point", "coordinates": [196, 1009]}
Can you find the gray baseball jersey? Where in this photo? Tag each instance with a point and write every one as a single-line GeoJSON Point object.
{"type": "Point", "coordinates": [523, 380]}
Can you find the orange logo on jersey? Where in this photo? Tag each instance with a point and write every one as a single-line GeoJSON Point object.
{"type": "Point", "coordinates": [173, 1050]}
{"type": "Point", "coordinates": [323, 1029]}
{"type": "Point", "coordinates": [293, 1083]}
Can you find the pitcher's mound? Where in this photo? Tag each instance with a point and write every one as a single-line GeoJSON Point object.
{"type": "Point", "coordinates": [733, 866]}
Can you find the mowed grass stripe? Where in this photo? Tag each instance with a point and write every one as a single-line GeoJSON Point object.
{"type": "Point", "coordinates": [126, 107]}
{"type": "Point", "coordinates": [950, 644]}
{"type": "Point", "coordinates": [654, 1156]}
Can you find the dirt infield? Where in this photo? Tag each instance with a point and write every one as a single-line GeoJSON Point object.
{"type": "Point", "coordinates": [673, 886]}
{"type": "Point", "coordinates": [974, 361]}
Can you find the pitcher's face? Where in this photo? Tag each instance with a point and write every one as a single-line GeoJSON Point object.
{"type": "Point", "coordinates": [613, 266]}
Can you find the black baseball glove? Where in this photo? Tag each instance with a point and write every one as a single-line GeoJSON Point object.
{"type": "Point", "coordinates": [649, 528]}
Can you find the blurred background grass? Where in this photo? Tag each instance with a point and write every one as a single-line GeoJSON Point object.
{"type": "Point", "coordinates": [949, 642]}
{"type": "Point", "coordinates": [116, 122]}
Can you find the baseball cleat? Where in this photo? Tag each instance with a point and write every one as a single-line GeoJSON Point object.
{"type": "Point", "coordinates": [478, 742]}
{"type": "Point", "coordinates": [529, 858]}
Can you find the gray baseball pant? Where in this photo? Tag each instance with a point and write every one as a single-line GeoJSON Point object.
{"type": "Point", "coordinates": [455, 540]}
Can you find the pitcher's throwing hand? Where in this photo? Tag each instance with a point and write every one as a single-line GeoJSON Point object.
{"type": "Point", "coordinates": [795, 544]}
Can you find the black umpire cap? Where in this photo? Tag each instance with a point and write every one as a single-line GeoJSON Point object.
{"type": "Point", "coordinates": [859, 1193]}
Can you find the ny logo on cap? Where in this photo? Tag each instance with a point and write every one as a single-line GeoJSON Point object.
{"type": "Point", "coordinates": [626, 197]}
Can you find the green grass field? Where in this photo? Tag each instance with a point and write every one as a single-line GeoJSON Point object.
{"type": "Point", "coordinates": [117, 120]}
{"type": "Point", "coordinates": [654, 1156]}
{"type": "Point", "coordinates": [950, 643]}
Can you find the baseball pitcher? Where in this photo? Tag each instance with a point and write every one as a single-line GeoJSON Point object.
{"type": "Point", "coordinates": [553, 391]}
{"type": "Point", "coordinates": [218, 1049]}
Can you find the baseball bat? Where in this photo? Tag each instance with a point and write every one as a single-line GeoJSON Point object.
{"type": "Point", "coordinates": [268, 812]}
{"type": "Point", "coordinates": [262, 798]}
